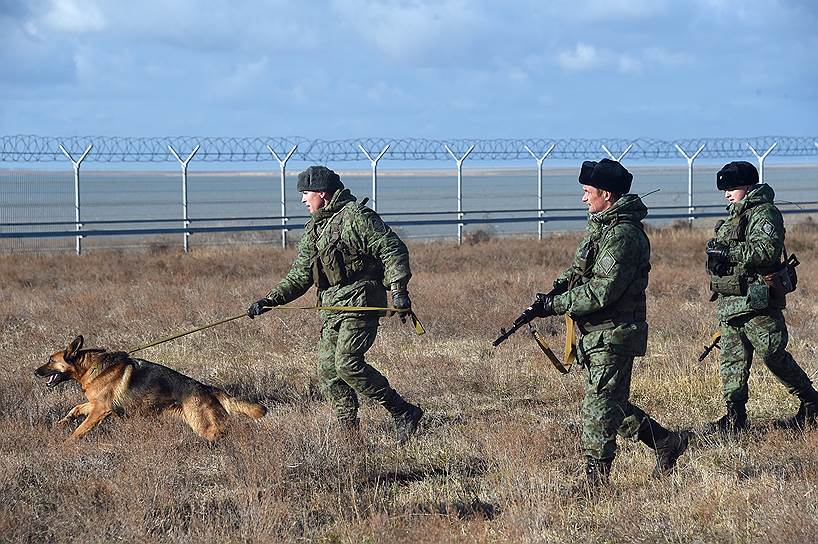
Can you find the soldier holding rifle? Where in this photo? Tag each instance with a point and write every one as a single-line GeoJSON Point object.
{"type": "Point", "coordinates": [604, 292]}
{"type": "Point", "coordinates": [750, 276]}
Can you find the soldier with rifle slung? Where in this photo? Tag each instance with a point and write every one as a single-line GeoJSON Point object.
{"type": "Point", "coordinates": [750, 276]}
{"type": "Point", "coordinates": [604, 292]}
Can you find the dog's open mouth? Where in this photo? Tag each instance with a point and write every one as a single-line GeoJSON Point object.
{"type": "Point", "coordinates": [55, 378]}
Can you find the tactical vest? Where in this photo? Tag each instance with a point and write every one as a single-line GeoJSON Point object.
{"type": "Point", "coordinates": [335, 262]}
{"type": "Point", "coordinates": [741, 282]}
{"type": "Point", "coordinates": [631, 306]}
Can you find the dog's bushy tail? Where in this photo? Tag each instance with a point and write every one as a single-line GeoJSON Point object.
{"type": "Point", "coordinates": [232, 406]}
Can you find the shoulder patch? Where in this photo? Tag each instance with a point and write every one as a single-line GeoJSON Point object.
{"type": "Point", "coordinates": [768, 228]}
{"type": "Point", "coordinates": [607, 262]}
{"type": "Point", "coordinates": [373, 219]}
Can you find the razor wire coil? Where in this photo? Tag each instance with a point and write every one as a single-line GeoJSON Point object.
{"type": "Point", "coordinates": [32, 148]}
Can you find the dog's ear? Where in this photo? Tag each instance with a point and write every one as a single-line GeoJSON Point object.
{"type": "Point", "coordinates": [73, 348]}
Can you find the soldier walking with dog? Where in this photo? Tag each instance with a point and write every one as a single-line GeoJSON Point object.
{"type": "Point", "coordinates": [604, 292]}
{"type": "Point", "coordinates": [352, 258]}
{"type": "Point", "coordinates": [749, 282]}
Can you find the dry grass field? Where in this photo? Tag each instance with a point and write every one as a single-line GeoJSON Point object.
{"type": "Point", "coordinates": [497, 458]}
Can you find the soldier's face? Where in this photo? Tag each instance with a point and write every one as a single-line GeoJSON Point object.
{"type": "Point", "coordinates": [314, 200]}
{"type": "Point", "coordinates": [597, 200]}
{"type": "Point", "coordinates": [737, 194]}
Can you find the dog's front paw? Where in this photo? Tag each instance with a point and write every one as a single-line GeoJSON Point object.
{"type": "Point", "coordinates": [64, 422]}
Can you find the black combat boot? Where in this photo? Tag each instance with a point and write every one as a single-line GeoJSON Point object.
{"type": "Point", "coordinates": [406, 422]}
{"type": "Point", "coordinates": [668, 445]}
{"type": "Point", "coordinates": [597, 473]}
{"type": "Point", "coordinates": [732, 423]}
{"type": "Point", "coordinates": [807, 414]}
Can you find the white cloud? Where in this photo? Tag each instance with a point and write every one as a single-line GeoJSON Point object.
{"type": "Point", "coordinates": [244, 77]}
{"type": "Point", "coordinates": [661, 57]}
{"type": "Point", "coordinates": [73, 16]}
{"type": "Point", "coordinates": [407, 30]}
{"type": "Point", "coordinates": [566, 10]}
{"type": "Point", "coordinates": [582, 57]}
{"type": "Point", "coordinates": [588, 57]}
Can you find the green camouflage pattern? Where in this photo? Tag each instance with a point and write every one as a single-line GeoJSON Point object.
{"type": "Point", "coordinates": [753, 322]}
{"type": "Point", "coordinates": [604, 292]}
{"type": "Point", "coordinates": [343, 372]}
{"type": "Point", "coordinates": [351, 257]}
{"type": "Point", "coordinates": [606, 411]}
{"type": "Point", "coordinates": [608, 278]}
{"type": "Point", "coordinates": [346, 237]}
{"type": "Point", "coordinates": [765, 334]}
{"type": "Point", "coordinates": [754, 231]}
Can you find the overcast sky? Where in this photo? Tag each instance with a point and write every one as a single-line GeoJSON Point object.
{"type": "Point", "coordinates": [414, 68]}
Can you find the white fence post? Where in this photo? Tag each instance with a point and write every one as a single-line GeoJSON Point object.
{"type": "Point", "coordinates": [620, 156]}
{"type": "Point", "coordinates": [184, 163]}
{"type": "Point", "coordinates": [690, 159]}
{"type": "Point", "coordinates": [374, 163]}
{"type": "Point", "coordinates": [760, 159]}
{"type": "Point", "coordinates": [77, 164]}
{"type": "Point", "coordinates": [539, 160]}
{"type": "Point", "coordinates": [459, 163]}
{"type": "Point", "coordinates": [282, 163]}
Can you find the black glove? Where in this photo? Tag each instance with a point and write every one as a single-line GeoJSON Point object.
{"type": "Point", "coordinates": [718, 258]}
{"type": "Point", "coordinates": [400, 300]}
{"type": "Point", "coordinates": [543, 305]}
{"type": "Point", "coordinates": [259, 307]}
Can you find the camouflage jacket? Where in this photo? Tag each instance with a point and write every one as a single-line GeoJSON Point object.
{"type": "Point", "coordinates": [754, 231]}
{"type": "Point", "coordinates": [604, 289]}
{"type": "Point", "coordinates": [351, 257]}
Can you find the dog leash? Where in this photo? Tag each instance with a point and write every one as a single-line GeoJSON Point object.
{"type": "Point", "coordinates": [419, 329]}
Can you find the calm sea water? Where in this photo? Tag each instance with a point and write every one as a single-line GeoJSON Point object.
{"type": "Point", "coordinates": [40, 195]}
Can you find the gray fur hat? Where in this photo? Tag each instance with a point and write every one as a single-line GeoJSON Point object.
{"type": "Point", "coordinates": [319, 178]}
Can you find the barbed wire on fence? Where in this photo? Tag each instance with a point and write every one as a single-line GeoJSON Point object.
{"type": "Point", "coordinates": [30, 148]}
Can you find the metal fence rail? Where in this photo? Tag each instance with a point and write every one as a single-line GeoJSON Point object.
{"type": "Point", "coordinates": [184, 149]}
{"type": "Point", "coordinates": [548, 215]}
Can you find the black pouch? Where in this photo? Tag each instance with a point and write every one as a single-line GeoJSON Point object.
{"type": "Point", "coordinates": [779, 282]}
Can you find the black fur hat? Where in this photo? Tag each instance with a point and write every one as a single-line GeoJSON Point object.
{"type": "Point", "coordinates": [607, 175]}
{"type": "Point", "coordinates": [736, 174]}
{"type": "Point", "coordinates": [319, 178]}
{"type": "Point", "coordinates": [585, 171]}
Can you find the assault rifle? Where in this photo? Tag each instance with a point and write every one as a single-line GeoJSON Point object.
{"type": "Point", "coordinates": [714, 343]}
{"type": "Point", "coordinates": [525, 318]}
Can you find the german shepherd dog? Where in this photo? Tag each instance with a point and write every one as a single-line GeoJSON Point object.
{"type": "Point", "coordinates": [113, 382]}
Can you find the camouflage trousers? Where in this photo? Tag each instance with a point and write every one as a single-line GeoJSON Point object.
{"type": "Point", "coordinates": [606, 410]}
{"type": "Point", "coordinates": [765, 334]}
{"type": "Point", "coordinates": [343, 373]}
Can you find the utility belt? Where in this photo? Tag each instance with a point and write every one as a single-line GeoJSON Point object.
{"type": "Point", "coordinates": [778, 283]}
{"type": "Point", "coordinates": [621, 318]}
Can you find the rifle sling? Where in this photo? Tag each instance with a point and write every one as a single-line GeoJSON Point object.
{"type": "Point", "coordinates": [547, 350]}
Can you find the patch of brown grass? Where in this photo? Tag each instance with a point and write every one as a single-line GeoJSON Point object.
{"type": "Point", "coordinates": [498, 458]}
